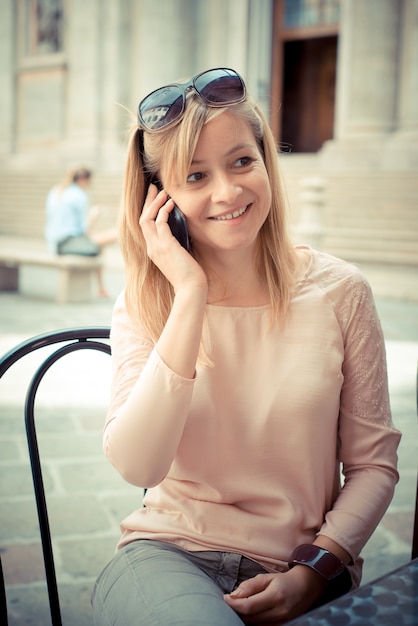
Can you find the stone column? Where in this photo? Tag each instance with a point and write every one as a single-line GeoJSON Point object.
{"type": "Point", "coordinates": [408, 84]}
{"type": "Point", "coordinates": [82, 105]}
{"type": "Point", "coordinates": [196, 35]}
{"type": "Point", "coordinates": [222, 27]}
{"type": "Point", "coordinates": [367, 67]}
{"type": "Point", "coordinates": [366, 94]}
{"type": "Point", "coordinates": [94, 83]}
{"type": "Point", "coordinates": [260, 35]}
{"type": "Point", "coordinates": [7, 99]}
{"type": "Point", "coordinates": [237, 34]}
{"type": "Point", "coordinates": [165, 44]}
{"type": "Point", "coordinates": [110, 68]}
{"type": "Point", "coordinates": [402, 149]}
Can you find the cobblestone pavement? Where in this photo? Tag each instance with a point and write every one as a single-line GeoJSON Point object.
{"type": "Point", "coordinates": [86, 497]}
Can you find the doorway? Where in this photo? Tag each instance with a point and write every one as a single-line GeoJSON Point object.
{"type": "Point", "coordinates": [308, 93]}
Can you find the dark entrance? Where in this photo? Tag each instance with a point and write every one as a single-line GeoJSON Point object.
{"type": "Point", "coordinates": [308, 93]}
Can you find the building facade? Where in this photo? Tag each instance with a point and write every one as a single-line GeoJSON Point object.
{"type": "Point", "coordinates": [337, 78]}
{"type": "Point", "coordinates": [69, 84]}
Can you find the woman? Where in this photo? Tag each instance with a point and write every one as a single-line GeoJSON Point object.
{"type": "Point", "coordinates": [69, 220]}
{"type": "Point", "coordinates": [246, 372]}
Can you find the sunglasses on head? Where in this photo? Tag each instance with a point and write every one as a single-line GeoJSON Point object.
{"type": "Point", "coordinates": [165, 106]}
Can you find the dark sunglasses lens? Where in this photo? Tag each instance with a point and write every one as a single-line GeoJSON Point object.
{"type": "Point", "coordinates": [220, 86]}
{"type": "Point", "coordinates": [161, 107]}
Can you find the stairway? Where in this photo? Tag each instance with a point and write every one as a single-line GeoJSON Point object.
{"type": "Point", "coordinates": [23, 194]}
{"type": "Point", "coordinates": [367, 218]}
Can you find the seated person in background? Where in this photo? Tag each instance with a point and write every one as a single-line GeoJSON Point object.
{"type": "Point", "coordinates": [69, 220]}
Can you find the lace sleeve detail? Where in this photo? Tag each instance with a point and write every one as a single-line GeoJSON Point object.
{"type": "Point", "coordinates": [365, 392]}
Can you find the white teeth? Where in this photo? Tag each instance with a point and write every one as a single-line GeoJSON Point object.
{"type": "Point", "coordinates": [230, 216]}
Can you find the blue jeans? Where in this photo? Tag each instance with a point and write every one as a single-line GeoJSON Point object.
{"type": "Point", "coordinates": [152, 583]}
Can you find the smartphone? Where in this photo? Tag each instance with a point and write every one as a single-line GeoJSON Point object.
{"type": "Point", "coordinates": [177, 223]}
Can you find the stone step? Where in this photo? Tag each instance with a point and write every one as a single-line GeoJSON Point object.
{"type": "Point", "coordinates": [372, 238]}
{"type": "Point", "coordinates": [399, 223]}
{"type": "Point", "coordinates": [369, 255]}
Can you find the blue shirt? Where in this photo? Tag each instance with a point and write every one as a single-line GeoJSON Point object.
{"type": "Point", "coordinates": [66, 214]}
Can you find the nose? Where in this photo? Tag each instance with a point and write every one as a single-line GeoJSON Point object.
{"type": "Point", "coordinates": [225, 189]}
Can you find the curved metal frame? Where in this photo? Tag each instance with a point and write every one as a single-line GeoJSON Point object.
{"type": "Point", "coordinates": [3, 603]}
{"type": "Point", "coordinates": [75, 339]}
{"type": "Point", "coordinates": [414, 554]}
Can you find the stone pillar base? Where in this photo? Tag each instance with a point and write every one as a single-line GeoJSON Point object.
{"type": "Point", "coordinates": [401, 152]}
{"type": "Point", "coordinates": [393, 152]}
{"type": "Point", "coordinates": [360, 153]}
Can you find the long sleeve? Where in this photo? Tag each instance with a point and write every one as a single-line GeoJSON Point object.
{"type": "Point", "coordinates": [161, 414]}
{"type": "Point", "coordinates": [367, 439]}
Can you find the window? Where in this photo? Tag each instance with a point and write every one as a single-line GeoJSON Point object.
{"type": "Point", "coordinates": [43, 27]}
{"type": "Point", "coordinates": [303, 13]}
{"type": "Point", "coordinates": [41, 72]}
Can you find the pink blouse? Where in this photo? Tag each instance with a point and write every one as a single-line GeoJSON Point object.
{"type": "Point", "coordinates": [288, 436]}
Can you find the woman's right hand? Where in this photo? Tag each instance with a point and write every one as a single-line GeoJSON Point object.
{"type": "Point", "coordinates": [177, 265]}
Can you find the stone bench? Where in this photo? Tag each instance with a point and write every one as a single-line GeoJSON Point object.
{"type": "Point", "coordinates": [28, 267]}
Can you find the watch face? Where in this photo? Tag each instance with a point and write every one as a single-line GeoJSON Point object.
{"type": "Point", "coordinates": [325, 563]}
{"type": "Point", "coordinates": [329, 565]}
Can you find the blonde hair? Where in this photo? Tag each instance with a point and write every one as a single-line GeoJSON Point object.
{"type": "Point", "coordinates": [149, 295]}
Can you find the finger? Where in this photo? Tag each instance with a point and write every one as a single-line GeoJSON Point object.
{"type": "Point", "coordinates": [255, 597]}
{"type": "Point", "coordinates": [153, 202]}
{"type": "Point", "coordinates": [156, 230]}
{"type": "Point", "coordinates": [251, 586]}
{"type": "Point", "coordinates": [163, 212]}
{"type": "Point", "coordinates": [267, 605]}
{"type": "Point", "coordinates": [269, 612]}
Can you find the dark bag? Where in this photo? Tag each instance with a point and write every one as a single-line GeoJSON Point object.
{"type": "Point", "coordinates": [80, 245]}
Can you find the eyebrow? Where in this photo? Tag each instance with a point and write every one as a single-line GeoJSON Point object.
{"type": "Point", "coordinates": [236, 148]}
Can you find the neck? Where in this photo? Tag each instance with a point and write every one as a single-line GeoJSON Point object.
{"type": "Point", "coordinates": [234, 281]}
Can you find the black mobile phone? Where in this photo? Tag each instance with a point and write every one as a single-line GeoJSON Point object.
{"type": "Point", "coordinates": [177, 223]}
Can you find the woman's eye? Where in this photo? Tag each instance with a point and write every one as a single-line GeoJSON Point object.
{"type": "Point", "coordinates": [195, 177]}
{"type": "Point", "coordinates": [243, 161]}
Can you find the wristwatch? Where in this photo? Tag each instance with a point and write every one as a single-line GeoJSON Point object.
{"type": "Point", "coordinates": [326, 564]}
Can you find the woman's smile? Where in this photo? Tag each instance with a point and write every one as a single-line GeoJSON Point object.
{"type": "Point", "coordinates": [230, 216]}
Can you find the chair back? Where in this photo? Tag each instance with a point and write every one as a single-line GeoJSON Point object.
{"type": "Point", "coordinates": [415, 531]}
{"type": "Point", "coordinates": [66, 342]}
